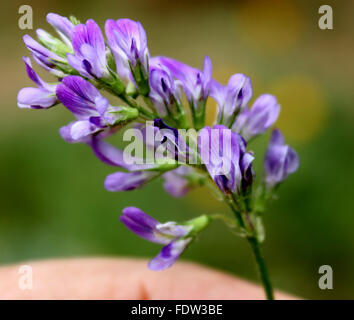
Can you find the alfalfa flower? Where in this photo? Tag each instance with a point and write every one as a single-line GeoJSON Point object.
{"type": "Point", "coordinates": [165, 93]}
{"type": "Point", "coordinates": [92, 110]}
{"type": "Point", "coordinates": [224, 154]}
{"type": "Point", "coordinates": [128, 42]}
{"type": "Point", "coordinates": [63, 26]}
{"type": "Point", "coordinates": [195, 83]}
{"type": "Point", "coordinates": [41, 97]}
{"type": "Point", "coordinates": [89, 57]}
{"type": "Point", "coordinates": [174, 236]}
{"type": "Point", "coordinates": [263, 114]}
{"type": "Point", "coordinates": [232, 98]}
{"type": "Point", "coordinates": [280, 160]}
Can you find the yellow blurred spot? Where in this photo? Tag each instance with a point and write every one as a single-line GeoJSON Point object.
{"type": "Point", "coordinates": [303, 107]}
{"type": "Point", "coordinates": [203, 200]}
{"type": "Point", "coordinates": [211, 108]}
{"type": "Point", "coordinates": [272, 25]}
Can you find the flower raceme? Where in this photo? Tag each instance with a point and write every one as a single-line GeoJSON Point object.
{"type": "Point", "coordinates": [164, 141]}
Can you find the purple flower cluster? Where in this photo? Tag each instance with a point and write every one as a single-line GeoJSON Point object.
{"type": "Point", "coordinates": [85, 64]}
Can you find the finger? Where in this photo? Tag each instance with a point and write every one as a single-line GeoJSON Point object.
{"type": "Point", "coordinates": [103, 278]}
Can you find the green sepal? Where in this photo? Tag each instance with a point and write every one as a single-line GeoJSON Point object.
{"type": "Point", "coordinates": [125, 114]}
{"type": "Point", "coordinates": [259, 228]}
{"type": "Point", "coordinates": [75, 21]}
{"type": "Point", "coordinates": [198, 224]}
{"type": "Point", "coordinates": [55, 45]}
{"type": "Point", "coordinates": [141, 78]}
{"type": "Point", "coordinates": [131, 90]}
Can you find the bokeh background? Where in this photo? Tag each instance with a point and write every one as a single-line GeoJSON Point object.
{"type": "Point", "coordinates": [52, 200]}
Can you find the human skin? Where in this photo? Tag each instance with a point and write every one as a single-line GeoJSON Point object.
{"type": "Point", "coordinates": [111, 278]}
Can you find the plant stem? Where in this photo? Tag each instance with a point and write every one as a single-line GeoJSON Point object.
{"type": "Point", "coordinates": [262, 268]}
{"type": "Point", "coordinates": [255, 245]}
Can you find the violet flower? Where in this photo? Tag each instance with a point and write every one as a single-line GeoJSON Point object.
{"type": "Point", "coordinates": [259, 118]}
{"type": "Point", "coordinates": [127, 40]}
{"type": "Point", "coordinates": [90, 51]}
{"type": "Point", "coordinates": [164, 91]}
{"type": "Point", "coordinates": [36, 98]}
{"type": "Point", "coordinates": [224, 154]}
{"type": "Point", "coordinates": [196, 84]}
{"type": "Point", "coordinates": [175, 237]}
{"type": "Point", "coordinates": [231, 99]}
{"type": "Point", "coordinates": [93, 111]}
{"type": "Point", "coordinates": [280, 160]}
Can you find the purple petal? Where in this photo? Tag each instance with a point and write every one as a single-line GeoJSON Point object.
{"type": "Point", "coordinates": [78, 64]}
{"type": "Point", "coordinates": [218, 92]}
{"type": "Point", "coordinates": [79, 96]}
{"type": "Point", "coordinates": [32, 74]}
{"type": "Point", "coordinates": [130, 37]}
{"type": "Point", "coordinates": [169, 254]}
{"type": "Point", "coordinates": [292, 161]}
{"type": "Point", "coordinates": [141, 224]}
{"type": "Point", "coordinates": [195, 83]}
{"type": "Point", "coordinates": [263, 114]}
{"type": "Point", "coordinates": [176, 182]}
{"type": "Point", "coordinates": [89, 47]}
{"type": "Point", "coordinates": [39, 50]}
{"type": "Point", "coordinates": [280, 160]}
{"type": "Point", "coordinates": [232, 98]}
{"type": "Point", "coordinates": [164, 92]}
{"type": "Point", "coordinates": [78, 131]}
{"type": "Point", "coordinates": [241, 120]}
{"type": "Point", "coordinates": [107, 153]}
{"type": "Point", "coordinates": [114, 156]}
{"type": "Point", "coordinates": [277, 138]}
{"type": "Point", "coordinates": [121, 59]}
{"type": "Point", "coordinates": [219, 149]}
{"type": "Point", "coordinates": [62, 25]}
{"type": "Point", "coordinates": [207, 71]}
{"type": "Point", "coordinates": [126, 181]}
{"type": "Point", "coordinates": [36, 98]}
{"type": "Point", "coordinates": [48, 66]}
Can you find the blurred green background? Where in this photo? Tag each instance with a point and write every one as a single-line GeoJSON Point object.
{"type": "Point", "coordinates": [53, 203]}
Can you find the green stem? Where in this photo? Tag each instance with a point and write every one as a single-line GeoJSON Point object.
{"type": "Point", "coordinates": [262, 268]}
{"type": "Point", "coordinates": [255, 245]}
{"type": "Point", "coordinates": [131, 102]}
